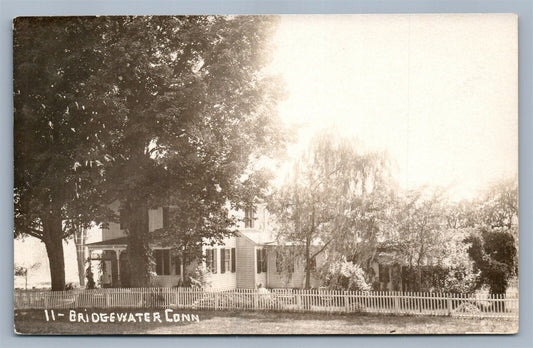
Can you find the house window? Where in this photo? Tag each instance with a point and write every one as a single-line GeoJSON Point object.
{"type": "Point", "coordinates": [225, 260]}
{"type": "Point", "coordinates": [312, 263]}
{"type": "Point", "coordinates": [384, 274]}
{"type": "Point", "coordinates": [162, 261]}
{"type": "Point", "coordinates": [249, 217]}
{"type": "Point", "coordinates": [211, 260]}
{"type": "Point", "coordinates": [261, 260]}
{"type": "Point", "coordinates": [284, 263]}
{"type": "Point", "coordinates": [167, 216]}
{"type": "Point", "coordinates": [122, 219]}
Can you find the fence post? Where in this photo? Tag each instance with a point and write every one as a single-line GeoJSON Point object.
{"type": "Point", "coordinates": [346, 303]}
{"type": "Point", "coordinates": [449, 304]}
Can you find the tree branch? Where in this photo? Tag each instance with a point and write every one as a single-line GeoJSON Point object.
{"type": "Point", "coordinates": [322, 249]}
{"type": "Point", "coordinates": [34, 233]}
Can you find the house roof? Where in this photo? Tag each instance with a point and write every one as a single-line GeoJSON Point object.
{"type": "Point", "coordinates": [110, 242]}
{"type": "Point", "coordinates": [256, 236]}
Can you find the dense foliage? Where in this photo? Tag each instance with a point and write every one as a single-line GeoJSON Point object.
{"type": "Point", "coordinates": [339, 202]}
{"type": "Point", "coordinates": [494, 255]}
{"type": "Point", "coordinates": [344, 275]}
{"type": "Point", "coordinates": [333, 199]}
{"type": "Point", "coordinates": [148, 111]}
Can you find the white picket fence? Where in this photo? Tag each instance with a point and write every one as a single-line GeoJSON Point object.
{"type": "Point", "coordinates": [413, 303]}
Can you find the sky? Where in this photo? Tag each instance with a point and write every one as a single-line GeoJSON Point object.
{"type": "Point", "coordinates": [438, 93]}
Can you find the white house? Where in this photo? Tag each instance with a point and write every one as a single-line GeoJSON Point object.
{"type": "Point", "coordinates": [247, 260]}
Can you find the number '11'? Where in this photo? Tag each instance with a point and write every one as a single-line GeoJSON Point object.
{"type": "Point", "coordinates": [52, 314]}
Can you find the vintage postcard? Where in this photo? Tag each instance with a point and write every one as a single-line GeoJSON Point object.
{"type": "Point", "coordinates": [280, 174]}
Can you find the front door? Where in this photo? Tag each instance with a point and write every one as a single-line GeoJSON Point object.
{"type": "Point", "coordinates": [124, 270]}
{"type": "Point", "coordinates": [107, 274]}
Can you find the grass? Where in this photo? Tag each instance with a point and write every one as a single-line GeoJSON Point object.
{"type": "Point", "coordinates": [265, 323]}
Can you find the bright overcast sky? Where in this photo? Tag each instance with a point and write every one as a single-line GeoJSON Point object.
{"type": "Point", "coordinates": [438, 92]}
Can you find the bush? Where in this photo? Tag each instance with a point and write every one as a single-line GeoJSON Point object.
{"type": "Point", "coordinates": [495, 257]}
{"type": "Point", "coordinates": [197, 278]}
{"type": "Point", "coordinates": [70, 286]}
{"type": "Point", "coordinates": [344, 275]}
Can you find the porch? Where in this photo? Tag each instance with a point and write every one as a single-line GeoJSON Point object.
{"type": "Point", "coordinates": [110, 259]}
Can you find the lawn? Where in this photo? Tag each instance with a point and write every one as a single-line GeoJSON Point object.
{"type": "Point", "coordinates": [261, 323]}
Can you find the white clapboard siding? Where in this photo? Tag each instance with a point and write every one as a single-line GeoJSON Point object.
{"type": "Point", "coordinates": [334, 301]}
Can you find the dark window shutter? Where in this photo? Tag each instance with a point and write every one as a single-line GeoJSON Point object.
{"type": "Point", "coordinates": [165, 217]}
{"type": "Point", "coordinates": [264, 260]}
{"type": "Point", "coordinates": [209, 259]}
{"type": "Point", "coordinates": [258, 256]}
{"type": "Point", "coordinates": [122, 219]}
{"type": "Point", "coordinates": [232, 260]}
{"type": "Point", "coordinates": [222, 260]}
{"type": "Point", "coordinates": [166, 262]}
{"type": "Point", "coordinates": [215, 261]}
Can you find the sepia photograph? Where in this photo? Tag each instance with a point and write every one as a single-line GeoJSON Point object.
{"type": "Point", "coordinates": [266, 174]}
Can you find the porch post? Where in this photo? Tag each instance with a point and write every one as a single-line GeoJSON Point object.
{"type": "Point", "coordinates": [119, 251]}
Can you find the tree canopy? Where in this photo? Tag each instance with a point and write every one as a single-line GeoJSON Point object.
{"type": "Point", "coordinates": [494, 243]}
{"type": "Point", "coordinates": [332, 200]}
{"type": "Point", "coordinates": [149, 111]}
{"type": "Point", "coordinates": [55, 169]}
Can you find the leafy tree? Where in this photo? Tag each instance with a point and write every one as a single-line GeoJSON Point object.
{"type": "Point", "coordinates": [328, 201]}
{"type": "Point", "coordinates": [427, 236]}
{"type": "Point", "coordinates": [494, 245]}
{"type": "Point", "coordinates": [193, 109]}
{"type": "Point", "coordinates": [419, 230]}
{"type": "Point", "coordinates": [344, 275]}
{"type": "Point", "coordinates": [55, 169]}
{"type": "Point", "coordinates": [172, 110]}
{"type": "Point", "coordinates": [494, 255]}
{"type": "Point", "coordinates": [22, 271]}
{"type": "Point", "coordinates": [460, 215]}
{"type": "Point", "coordinates": [498, 208]}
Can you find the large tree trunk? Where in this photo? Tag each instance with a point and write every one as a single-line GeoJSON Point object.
{"type": "Point", "coordinates": [81, 265]}
{"type": "Point", "coordinates": [53, 240]}
{"type": "Point", "coordinates": [79, 239]}
{"type": "Point", "coordinates": [138, 244]}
